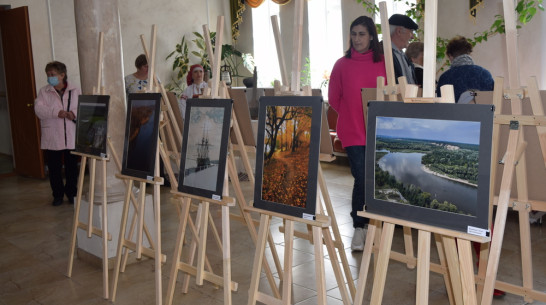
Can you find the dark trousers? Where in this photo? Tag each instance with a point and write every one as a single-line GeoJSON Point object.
{"type": "Point", "coordinates": [357, 158]}
{"type": "Point", "coordinates": [55, 165]}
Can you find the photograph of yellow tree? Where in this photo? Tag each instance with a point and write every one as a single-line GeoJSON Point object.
{"type": "Point", "coordinates": [288, 156]}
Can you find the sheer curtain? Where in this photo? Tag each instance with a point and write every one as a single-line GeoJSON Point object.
{"type": "Point", "coordinates": [265, 51]}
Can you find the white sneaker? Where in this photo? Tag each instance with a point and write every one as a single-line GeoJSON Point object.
{"type": "Point", "coordinates": [357, 244]}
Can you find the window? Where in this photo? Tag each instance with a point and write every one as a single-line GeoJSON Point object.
{"type": "Point", "coordinates": [265, 50]}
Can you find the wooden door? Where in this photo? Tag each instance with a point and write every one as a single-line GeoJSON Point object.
{"type": "Point", "coordinates": [21, 92]}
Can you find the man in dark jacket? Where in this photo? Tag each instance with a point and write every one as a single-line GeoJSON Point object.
{"type": "Point", "coordinates": [402, 28]}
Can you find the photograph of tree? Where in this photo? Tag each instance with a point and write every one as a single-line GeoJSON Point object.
{"type": "Point", "coordinates": [91, 125]}
{"type": "Point", "coordinates": [141, 135]}
{"type": "Point", "coordinates": [287, 154]}
{"type": "Point", "coordinates": [428, 163]}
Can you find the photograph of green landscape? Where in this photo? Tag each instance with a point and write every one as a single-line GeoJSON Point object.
{"type": "Point", "coordinates": [427, 163]}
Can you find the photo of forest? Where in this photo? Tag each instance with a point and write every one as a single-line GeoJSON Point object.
{"type": "Point", "coordinates": [91, 125]}
{"type": "Point", "coordinates": [286, 155]}
{"type": "Point", "coordinates": [427, 163]}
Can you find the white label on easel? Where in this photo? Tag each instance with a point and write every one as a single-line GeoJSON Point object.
{"type": "Point", "coordinates": [103, 155]}
{"type": "Point", "coordinates": [217, 197]}
{"type": "Point", "coordinates": [477, 231]}
{"type": "Point", "coordinates": [150, 178]}
{"type": "Point", "coordinates": [308, 216]}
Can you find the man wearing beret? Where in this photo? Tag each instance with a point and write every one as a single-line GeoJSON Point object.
{"type": "Point", "coordinates": [402, 28]}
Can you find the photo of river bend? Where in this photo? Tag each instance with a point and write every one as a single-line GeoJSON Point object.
{"type": "Point", "coordinates": [427, 163]}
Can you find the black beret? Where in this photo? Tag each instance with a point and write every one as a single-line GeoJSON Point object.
{"type": "Point", "coordinates": [403, 20]}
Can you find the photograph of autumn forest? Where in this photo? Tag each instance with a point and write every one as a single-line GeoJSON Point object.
{"type": "Point", "coordinates": [286, 155]}
{"type": "Point", "coordinates": [428, 163]}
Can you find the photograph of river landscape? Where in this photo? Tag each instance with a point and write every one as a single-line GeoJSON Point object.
{"type": "Point", "coordinates": [428, 163]}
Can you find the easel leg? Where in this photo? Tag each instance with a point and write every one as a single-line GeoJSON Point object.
{"type": "Point", "coordinates": [319, 266]}
{"type": "Point", "coordinates": [408, 243]}
{"type": "Point", "coordinates": [193, 247]}
{"type": "Point", "coordinates": [453, 266]}
{"type": "Point", "coordinates": [526, 257]}
{"type": "Point", "coordinates": [105, 284]}
{"type": "Point", "coordinates": [382, 263]}
{"type": "Point", "coordinates": [330, 247]}
{"type": "Point", "coordinates": [91, 197]}
{"type": "Point", "coordinates": [443, 263]}
{"type": "Point", "coordinates": [288, 258]}
{"type": "Point", "coordinates": [142, 200]}
{"type": "Point", "coordinates": [226, 254]}
{"type": "Point", "coordinates": [76, 218]}
{"type": "Point", "coordinates": [158, 256]}
{"type": "Point", "coordinates": [186, 203]}
{"type": "Point", "coordinates": [121, 239]}
{"type": "Point", "coordinates": [265, 220]}
{"type": "Point", "coordinates": [467, 272]}
{"type": "Point", "coordinates": [423, 267]}
{"type": "Point", "coordinates": [202, 244]}
{"type": "Point", "coordinates": [365, 263]}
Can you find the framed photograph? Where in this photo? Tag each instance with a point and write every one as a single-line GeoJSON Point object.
{"type": "Point", "coordinates": [287, 154]}
{"type": "Point", "coordinates": [204, 147]}
{"type": "Point", "coordinates": [92, 124]}
{"type": "Point", "coordinates": [430, 164]}
{"type": "Point", "coordinates": [141, 134]}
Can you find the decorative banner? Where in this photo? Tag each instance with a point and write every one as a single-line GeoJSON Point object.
{"type": "Point", "coordinates": [236, 8]}
{"type": "Point", "coordinates": [474, 4]}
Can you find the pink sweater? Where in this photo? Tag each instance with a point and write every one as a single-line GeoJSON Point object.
{"type": "Point", "coordinates": [349, 75]}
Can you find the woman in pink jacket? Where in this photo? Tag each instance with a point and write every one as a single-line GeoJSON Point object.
{"type": "Point", "coordinates": [359, 68]}
{"type": "Point", "coordinates": [57, 108]}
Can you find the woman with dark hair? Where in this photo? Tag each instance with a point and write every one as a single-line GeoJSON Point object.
{"type": "Point", "coordinates": [137, 82]}
{"type": "Point", "coordinates": [196, 83]}
{"type": "Point", "coordinates": [464, 75]}
{"type": "Point", "coordinates": [359, 68]}
{"type": "Point", "coordinates": [57, 108]}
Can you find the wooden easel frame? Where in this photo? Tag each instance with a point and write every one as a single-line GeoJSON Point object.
{"type": "Point", "coordinates": [514, 163]}
{"type": "Point", "coordinates": [102, 233]}
{"type": "Point", "coordinates": [456, 269]}
{"type": "Point", "coordinates": [204, 218]}
{"type": "Point", "coordinates": [319, 230]}
{"type": "Point", "coordinates": [125, 244]}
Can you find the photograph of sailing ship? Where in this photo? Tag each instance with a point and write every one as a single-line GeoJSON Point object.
{"type": "Point", "coordinates": [141, 135]}
{"type": "Point", "coordinates": [205, 146]}
{"type": "Point", "coordinates": [429, 163]}
{"type": "Point", "coordinates": [289, 144]}
{"type": "Point", "coordinates": [91, 125]}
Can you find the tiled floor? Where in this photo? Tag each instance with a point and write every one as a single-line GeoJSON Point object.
{"type": "Point", "coordinates": [34, 243]}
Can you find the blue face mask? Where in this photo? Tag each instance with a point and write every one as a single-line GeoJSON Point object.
{"type": "Point", "coordinates": [53, 81]}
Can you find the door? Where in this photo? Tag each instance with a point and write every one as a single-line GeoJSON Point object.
{"type": "Point", "coordinates": [21, 92]}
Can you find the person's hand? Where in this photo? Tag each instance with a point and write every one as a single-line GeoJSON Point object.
{"type": "Point", "coordinates": [70, 115]}
{"type": "Point", "coordinates": [62, 114]}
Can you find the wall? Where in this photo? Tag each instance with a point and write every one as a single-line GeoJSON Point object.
{"type": "Point", "coordinates": [492, 53]}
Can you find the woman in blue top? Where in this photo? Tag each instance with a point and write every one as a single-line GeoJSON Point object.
{"type": "Point", "coordinates": [464, 75]}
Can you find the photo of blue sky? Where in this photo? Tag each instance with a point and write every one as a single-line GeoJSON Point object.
{"type": "Point", "coordinates": [427, 129]}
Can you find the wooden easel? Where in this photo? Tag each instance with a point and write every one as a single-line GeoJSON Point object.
{"type": "Point", "coordinates": [455, 264]}
{"type": "Point", "coordinates": [514, 163]}
{"type": "Point", "coordinates": [102, 233]}
{"type": "Point", "coordinates": [125, 244]}
{"type": "Point", "coordinates": [204, 218]}
{"type": "Point", "coordinates": [319, 229]}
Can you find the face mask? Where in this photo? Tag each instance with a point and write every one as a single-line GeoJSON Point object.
{"type": "Point", "coordinates": [53, 81]}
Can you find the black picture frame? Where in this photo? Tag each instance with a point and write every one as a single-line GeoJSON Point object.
{"type": "Point", "coordinates": [286, 176]}
{"type": "Point", "coordinates": [92, 124]}
{"type": "Point", "coordinates": [443, 150]}
{"type": "Point", "coordinates": [141, 135]}
{"type": "Point", "coordinates": [204, 147]}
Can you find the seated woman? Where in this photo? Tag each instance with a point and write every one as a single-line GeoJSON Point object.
{"type": "Point", "coordinates": [196, 83]}
{"type": "Point", "coordinates": [415, 52]}
{"type": "Point", "coordinates": [464, 75]}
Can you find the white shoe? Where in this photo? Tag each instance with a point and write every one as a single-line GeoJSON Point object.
{"type": "Point", "coordinates": [357, 244]}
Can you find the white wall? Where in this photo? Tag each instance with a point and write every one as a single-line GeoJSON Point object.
{"type": "Point", "coordinates": [454, 20]}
